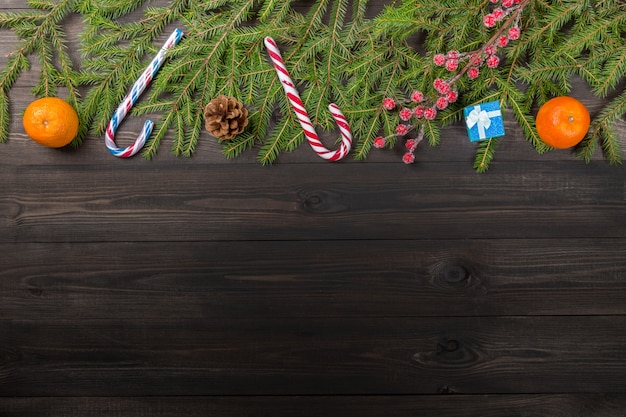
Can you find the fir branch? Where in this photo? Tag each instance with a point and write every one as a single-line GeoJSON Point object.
{"type": "Point", "coordinates": [5, 120]}
{"type": "Point", "coordinates": [161, 129]}
{"type": "Point", "coordinates": [484, 154]}
{"type": "Point", "coordinates": [374, 76]}
{"type": "Point", "coordinates": [367, 128]}
{"type": "Point", "coordinates": [602, 130]}
{"type": "Point", "coordinates": [113, 77]}
{"type": "Point", "coordinates": [334, 53]}
{"type": "Point", "coordinates": [521, 104]}
{"type": "Point", "coordinates": [593, 27]}
{"type": "Point", "coordinates": [186, 89]}
{"type": "Point", "coordinates": [39, 32]}
{"type": "Point", "coordinates": [432, 132]}
{"type": "Point", "coordinates": [544, 60]}
{"type": "Point", "coordinates": [547, 21]}
{"type": "Point", "coordinates": [20, 20]}
{"type": "Point", "coordinates": [275, 141]}
{"type": "Point", "coordinates": [463, 62]}
{"type": "Point", "coordinates": [613, 70]}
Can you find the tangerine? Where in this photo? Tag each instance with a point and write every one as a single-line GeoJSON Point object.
{"type": "Point", "coordinates": [562, 122]}
{"type": "Point", "coordinates": [51, 121]}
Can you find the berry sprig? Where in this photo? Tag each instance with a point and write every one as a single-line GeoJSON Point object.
{"type": "Point", "coordinates": [422, 107]}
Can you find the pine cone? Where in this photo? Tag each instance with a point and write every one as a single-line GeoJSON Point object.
{"type": "Point", "coordinates": [225, 117]}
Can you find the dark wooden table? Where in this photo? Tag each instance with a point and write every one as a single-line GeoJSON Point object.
{"type": "Point", "coordinates": [210, 287]}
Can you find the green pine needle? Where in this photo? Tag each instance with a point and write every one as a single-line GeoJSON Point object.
{"type": "Point", "coordinates": [484, 154]}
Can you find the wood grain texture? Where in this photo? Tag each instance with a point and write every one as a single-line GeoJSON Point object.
{"type": "Point", "coordinates": [322, 356]}
{"type": "Point", "coordinates": [211, 287]}
{"type": "Point", "coordinates": [558, 405]}
{"type": "Point", "coordinates": [141, 202]}
{"type": "Point", "coordinates": [342, 279]}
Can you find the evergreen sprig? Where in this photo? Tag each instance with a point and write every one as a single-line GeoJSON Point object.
{"type": "Point", "coordinates": [560, 40]}
{"type": "Point", "coordinates": [41, 33]}
{"type": "Point", "coordinates": [334, 53]}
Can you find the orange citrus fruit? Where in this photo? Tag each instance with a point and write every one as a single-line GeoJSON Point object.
{"type": "Point", "coordinates": [51, 121]}
{"type": "Point", "coordinates": [562, 122]}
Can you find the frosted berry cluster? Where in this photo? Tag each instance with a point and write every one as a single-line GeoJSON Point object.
{"type": "Point", "coordinates": [422, 107]}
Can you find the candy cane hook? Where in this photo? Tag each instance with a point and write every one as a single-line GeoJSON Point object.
{"type": "Point", "coordinates": [132, 97]}
{"type": "Point", "coordinates": [301, 113]}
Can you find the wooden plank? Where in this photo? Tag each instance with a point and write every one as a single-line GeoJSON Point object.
{"type": "Point", "coordinates": [173, 202]}
{"type": "Point", "coordinates": [204, 286]}
{"type": "Point", "coordinates": [325, 356]}
{"type": "Point", "coordinates": [13, 4]}
{"type": "Point", "coordinates": [560, 405]}
{"type": "Point", "coordinates": [268, 280]}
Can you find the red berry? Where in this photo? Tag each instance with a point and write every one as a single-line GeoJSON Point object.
{"type": "Point", "coordinates": [402, 129]}
{"type": "Point", "coordinates": [419, 112]}
{"type": "Point", "coordinates": [389, 103]}
{"type": "Point", "coordinates": [514, 33]}
{"type": "Point", "coordinates": [430, 113]}
{"type": "Point", "coordinates": [441, 86]}
{"type": "Point", "coordinates": [452, 55]}
{"type": "Point", "coordinates": [405, 114]}
{"type": "Point", "coordinates": [408, 158]}
{"type": "Point", "coordinates": [452, 64]}
{"type": "Point", "coordinates": [442, 103]}
{"type": "Point", "coordinates": [503, 41]}
{"type": "Point", "coordinates": [489, 20]}
{"type": "Point", "coordinates": [439, 60]}
{"type": "Point", "coordinates": [493, 61]}
{"type": "Point", "coordinates": [491, 50]}
{"type": "Point", "coordinates": [473, 73]}
{"type": "Point", "coordinates": [498, 14]}
{"type": "Point", "coordinates": [411, 144]}
{"type": "Point", "coordinates": [452, 96]}
{"type": "Point", "coordinates": [379, 142]}
{"type": "Point", "coordinates": [475, 59]}
{"type": "Point", "coordinates": [417, 96]}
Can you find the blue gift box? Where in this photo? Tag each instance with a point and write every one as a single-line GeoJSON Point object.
{"type": "Point", "coordinates": [484, 121]}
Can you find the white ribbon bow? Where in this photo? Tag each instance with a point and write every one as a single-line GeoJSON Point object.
{"type": "Point", "coordinates": [482, 118]}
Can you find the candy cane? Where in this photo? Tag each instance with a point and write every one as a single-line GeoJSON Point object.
{"type": "Point", "coordinates": [303, 116]}
{"type": "Point", "coordinates": [131, 98]}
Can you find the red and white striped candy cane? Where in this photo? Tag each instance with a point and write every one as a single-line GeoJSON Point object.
{"type": "Point", "coordinates": [303, 116]}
